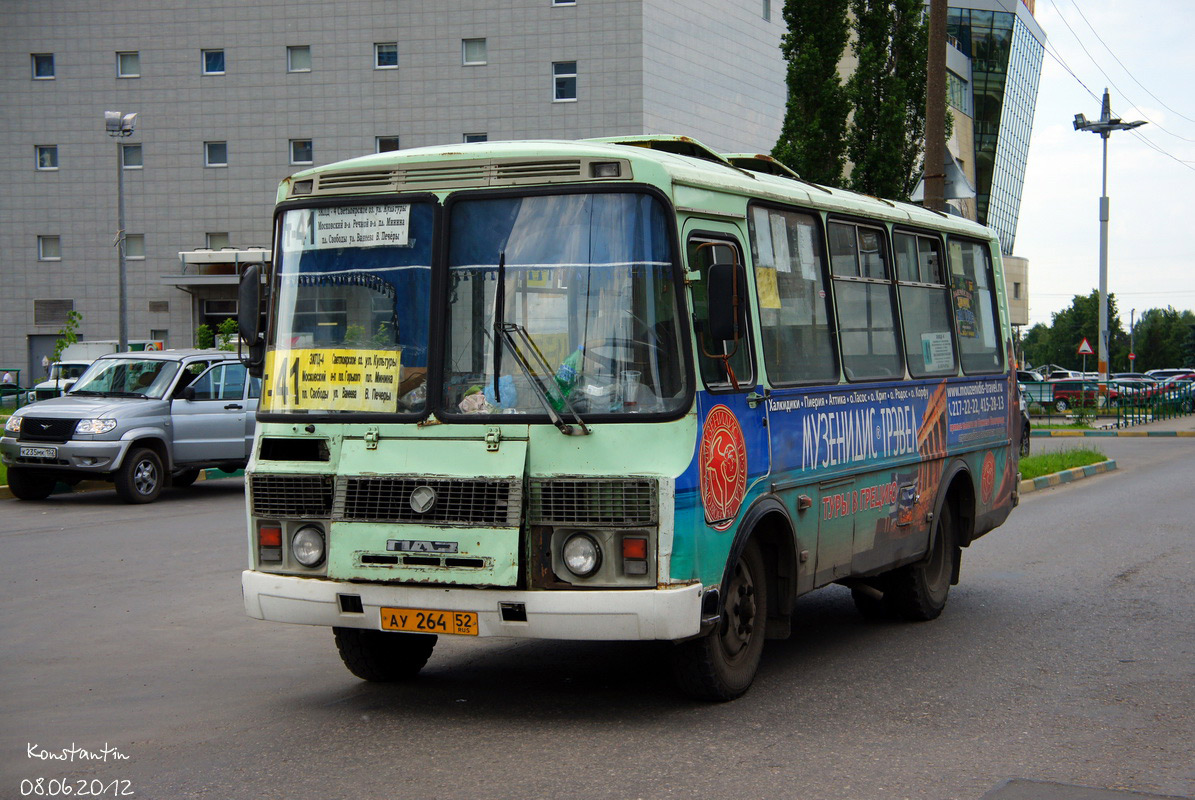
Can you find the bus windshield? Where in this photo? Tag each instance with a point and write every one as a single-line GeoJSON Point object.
{"type": "Point", "coordinates": [588, 309]}
{"type": "Point", "coordinates": [354, 284]}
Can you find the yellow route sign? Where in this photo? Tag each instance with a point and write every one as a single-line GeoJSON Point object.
{"type": "Point", "coordinates": [317, 379]}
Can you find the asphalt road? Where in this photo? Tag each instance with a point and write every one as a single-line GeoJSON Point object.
{"type": "Point", "coordinates": [1066, 655]}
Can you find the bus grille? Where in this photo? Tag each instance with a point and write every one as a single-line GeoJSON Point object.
{"type": "Point", "coordinates": [458, 501]}
{"type": "Point", "coordinates": [47, 429]}
{"type": "Point", "coordinates": [291, 496]}
{"type": "Point", "coordinates": [583, 501]}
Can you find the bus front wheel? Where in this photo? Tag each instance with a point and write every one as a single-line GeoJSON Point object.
{"type": "Point", "coordinates": [721, 665]}
{"type": "Point", "coordinates": [383, 656]}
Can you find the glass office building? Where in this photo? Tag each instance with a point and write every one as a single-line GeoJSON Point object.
{"type": "Point", "coordinates": [1005, 50]}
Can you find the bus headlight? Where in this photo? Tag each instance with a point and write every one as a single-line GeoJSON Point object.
{"type": "Point", "coordinates": [582, 555]}
{"type": "Point", "coordinates": [307, 546]}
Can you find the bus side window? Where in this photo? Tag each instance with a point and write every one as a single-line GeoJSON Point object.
{"type": "Point", "coordinates": [794, 306]}
{"type": "Point", "coordinates": [865, 299]}
{"type": "Point", "coordinates": [703, 252]}
{"type": "Point", "coordinates": [976, 317]}
{"type": "Point", "coordinates": [924, 305]}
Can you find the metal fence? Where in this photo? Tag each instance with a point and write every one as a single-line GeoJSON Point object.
{"type": "Point", "coordinates": [1099, 404]}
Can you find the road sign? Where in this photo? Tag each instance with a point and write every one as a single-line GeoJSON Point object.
{"type": "Point", "coordinates": [1132, 356]}
{"type": "Point", "coordinates": [1085, 348]}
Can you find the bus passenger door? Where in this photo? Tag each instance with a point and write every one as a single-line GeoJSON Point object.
{"type": "Point", "coordinates": [734, 454]}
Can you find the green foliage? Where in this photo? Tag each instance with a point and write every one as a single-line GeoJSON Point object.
{"type": "Point", "coordinates": [813, 137]}
{"type": "Point", "coordinates": [204, 337]}
{"type": "Point", "coordinates": [1049, 463]}
{"type": "Point", "coordinates": [1059, 343]}
{"type": "Point", "coordinates": [68, 334]}
{"type": "Point", "coordinates": [886, 140]}
{"type": "Point", "coordinates": [228, 331]}
{"type": "Point", "coordinates": [1164, 338]}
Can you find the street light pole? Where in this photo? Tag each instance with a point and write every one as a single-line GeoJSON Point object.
{"type": "Point", "coordinates": [1104, 127]}
{"type": "Point", "coordinates": [120, 127]}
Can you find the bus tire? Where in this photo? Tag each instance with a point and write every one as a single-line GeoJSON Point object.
{"type": "Point", "coordinates": [383, 656]}
{"type": "Point", "coordinates": [28, 484]}
{"type": "Point", "coordinates": [721, 665]}
{"type": "Point", "coordinates": [918, 592]}
{"type": "Point", "coordinates": [139, 479]}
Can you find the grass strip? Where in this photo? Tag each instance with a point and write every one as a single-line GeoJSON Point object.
{"type": "Point", "coordinates": [1049, 463]}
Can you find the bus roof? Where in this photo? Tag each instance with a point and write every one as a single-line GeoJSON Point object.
{"type": "Point", "coordinates": [673, 163]}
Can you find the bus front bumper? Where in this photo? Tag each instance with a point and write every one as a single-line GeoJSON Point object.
{"type": "Point", "coordinates": [595, 614]}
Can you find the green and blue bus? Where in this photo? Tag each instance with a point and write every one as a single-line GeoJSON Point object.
{"type": "Point", "coordinates": [618, 389]}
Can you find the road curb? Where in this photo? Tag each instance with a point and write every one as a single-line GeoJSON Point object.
{"type": "Point", "coordinates": [91, 486]}
{"type": "Point", "coordinates": [1067, 434]}
{"type": "Point", "coordinates": [1066, 476]}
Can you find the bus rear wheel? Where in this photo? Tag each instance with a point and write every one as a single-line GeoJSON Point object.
{"type": "Point", "coordinates": [918, 591]}
{"type": "Point", "coordinates": [722, 664]}
{"type": "Point", "coordinates": [383, 656]}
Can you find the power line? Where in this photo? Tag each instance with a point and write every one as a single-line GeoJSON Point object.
{"type": "Point", "coordinates": [1126, 69]}
{"type": "Point", "coordinates": [1120, 91]}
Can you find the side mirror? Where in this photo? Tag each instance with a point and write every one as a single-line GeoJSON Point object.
{"type": "Point", "coordinates": [249, 304]}
{"type": "Point", "coordinates": [249, 297]}
{"type": "Point", "coordinates": [725, 284]}
{"type": "Point", "coordinates": [189, 393]}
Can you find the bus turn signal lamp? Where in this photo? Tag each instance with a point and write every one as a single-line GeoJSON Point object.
{"type": "Point", "coordinates": [605, 169]}
{"type": "Point", "coordinates": [269, 543]}
{"type": "Point", "coordinates": [634, 555]}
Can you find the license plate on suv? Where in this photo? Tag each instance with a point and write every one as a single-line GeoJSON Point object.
{"type": "Point", "coordinates": [38, 452]}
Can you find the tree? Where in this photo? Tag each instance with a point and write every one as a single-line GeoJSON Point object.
{"type": "Point", "coordinates": [886, 140]}
{"type": "Point", "coordinates": [68, 334]}
{"type": "Point", "coordinates": [228, 330]}
{"type": "Point", "coordinates": [813, 137]}
{"type": "Point", "coordinates": [204, 337]}
{"type": "Point", "coordinates": [1059, 343]}
{"type": "Point", "coordinates": [1161, 338]}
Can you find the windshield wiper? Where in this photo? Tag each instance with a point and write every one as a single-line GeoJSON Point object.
{"type": "Point", "coordinates": [513, 334]}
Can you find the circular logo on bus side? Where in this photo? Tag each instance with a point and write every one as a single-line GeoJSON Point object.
{"type": "Point", "coordinates": [987, 478]}
{"type": "Point", "coordinates": [723, 464]}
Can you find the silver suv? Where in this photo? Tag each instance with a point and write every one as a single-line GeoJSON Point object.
{"type": "Point", "coordinates": [138, 420]}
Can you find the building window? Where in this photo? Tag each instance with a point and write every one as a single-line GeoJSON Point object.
{"type": "Point", "coordinates": [766, 11]}
{"type": "Point", "coordinates": [385, 144]}
{"type": "Point", "coordinates": [130, 156]}
{"type": "Point", "coordinates": [473, 52]}
{"type": "Point", "coordinates": [134, 246]}
{"type": "Point", "coordinates": [49, 248]}
{"type": "Point", "coordinates": [47, 156]}
{"type": "Point", "coordinates": [213, 62]}
{"type": "Point", "coordinates": [564, 76]}
{"type": "Point", "coordinates": [215, 154]}
{"type": "Point", "coordinates": [564, 2]}
{"type": "Point", "coordinates": [298, 58]}
{"type": "Point", "coordinates": [217, 241]}
{"type": "Point", "coordinates": [1016, 290]}
{"type": "Point", "coordinates": [385, 55]}
{"type": "Point", "coordinates": [128, 65]}
{"type": "Point", "coordinates": [471, 138]}
{"type": "Point", "coordinates": [43, 66]}
{"type": "Point", "coordinates": [300, 151]}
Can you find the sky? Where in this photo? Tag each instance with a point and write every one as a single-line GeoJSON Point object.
{"type": "Point", "coordinates": [1141, 50]}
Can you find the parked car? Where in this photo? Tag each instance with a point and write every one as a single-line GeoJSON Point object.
{"type": "Point", "coordinates": [140, 420]}
{"type": "Point", "coordinates": [1069, 394]}
{"type": "Point", "coordinates": [1029, 376]}
{"type": "Point", "coordinates": [1163, 374]}
{"type": "Point", "coordinates": [1064, 374]}
{"type": "Point", "coordinates": [62, 377]}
